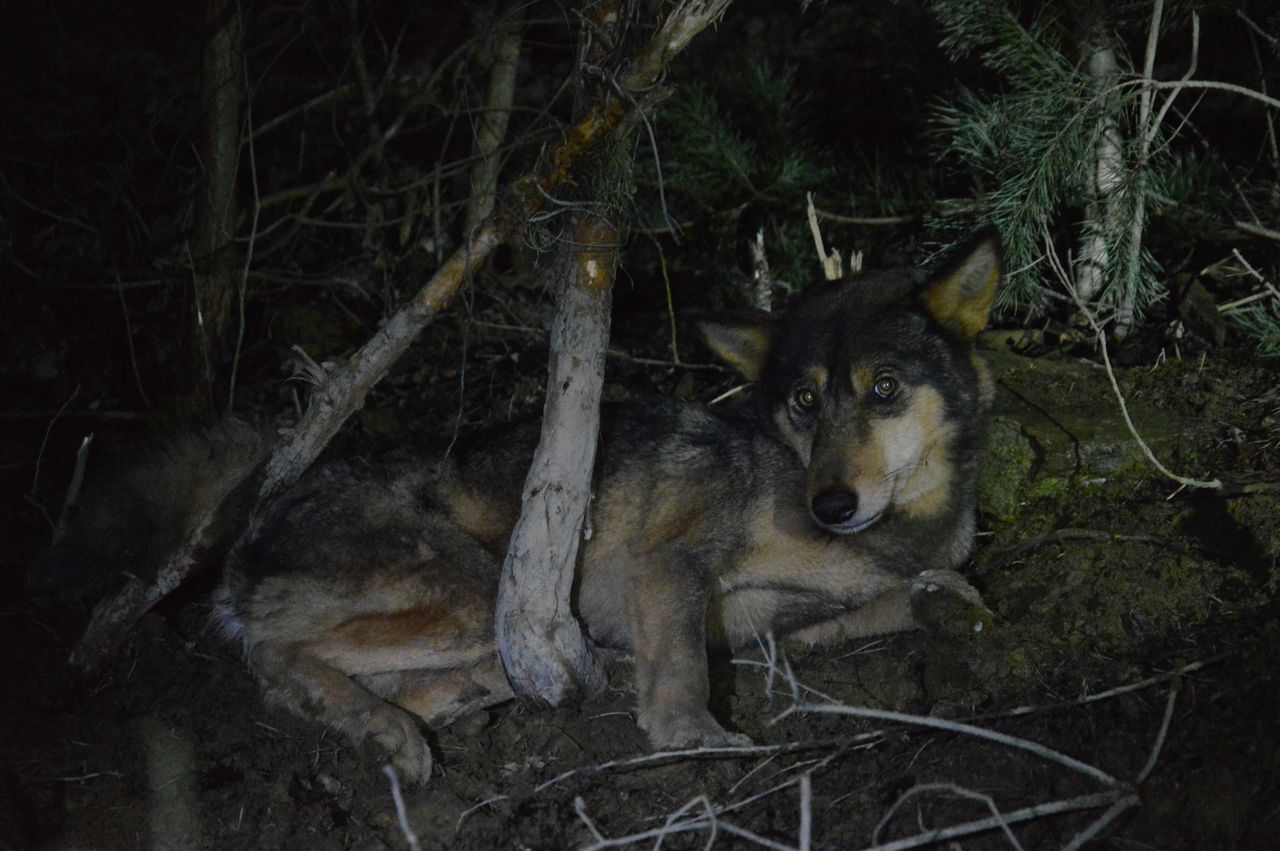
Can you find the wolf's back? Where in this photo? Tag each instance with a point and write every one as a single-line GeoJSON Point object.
{"type": "Point", "coordinates": [140, 509]}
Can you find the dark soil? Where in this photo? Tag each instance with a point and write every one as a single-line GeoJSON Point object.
{"type": "Point", "coordinates": [1103, 575]}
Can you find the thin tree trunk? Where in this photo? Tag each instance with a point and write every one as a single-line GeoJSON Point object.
{"type": "Point", "coordinates": [215, 271]}
{"type": "Point", "coordinates": [543, 650]}
{"type": "Point", "coordinates": [491, 127]}
{"type": "Point", "coordinates": [1146, 132]}
{"type": "Point", "coordinates": [1099, 225]}
{"type": "Point", "coordinates": [341, 392]}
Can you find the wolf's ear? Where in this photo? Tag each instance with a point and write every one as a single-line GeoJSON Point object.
{"type": "Point", "coordinates": [960, 295]}
{"type": "Point", "coordinates": [742, 341]}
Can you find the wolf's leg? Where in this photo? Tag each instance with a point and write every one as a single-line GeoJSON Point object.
{"type": "Point", "coordinates": [313, 687]}
{"type": "Point", "coordinates": [936, 599]}
{"type": "Point", "coordinates": [669, 637]}
{"type": "Point", "coordinates": [321, 664]}
{"type": "Point", "coordinates": [446, 697]}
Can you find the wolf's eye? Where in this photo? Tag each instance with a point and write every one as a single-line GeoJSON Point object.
{"type": "Point", "coordinates": [886, 387]}
{"type": "Point", "coordinates": [805, 399]}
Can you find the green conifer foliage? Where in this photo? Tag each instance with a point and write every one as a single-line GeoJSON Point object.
{"type": "Point", "coordinates": [1056, 148]}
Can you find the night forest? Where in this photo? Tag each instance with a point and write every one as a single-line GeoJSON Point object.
{"type": "Point", "coordinates": [375, 225]}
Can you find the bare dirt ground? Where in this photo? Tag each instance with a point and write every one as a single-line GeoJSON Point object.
{"type": "Point", "coordinates": [1137, 627]}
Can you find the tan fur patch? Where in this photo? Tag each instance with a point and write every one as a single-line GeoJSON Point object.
{"type": "Point", "coordinates": [915, 451]}
{"type": "Point", "coordinates": [428, 621]}
{"type": "Point", "coordinates": [676, 508]}
{"type": "Point", "coordinates": [476, 515]}
{"type": "Point", "coordinates": [444, 698]}
{"type": "Point", "coordinates": [861, 379]}
{"type": "Point", "coordinates": [785, 548]}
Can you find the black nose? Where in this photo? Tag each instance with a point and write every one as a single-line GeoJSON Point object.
{"type": "Point", "coordinates": [835, 507]}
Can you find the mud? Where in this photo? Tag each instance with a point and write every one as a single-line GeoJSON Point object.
{"type": "Point", "coordinates": [1130, 612]}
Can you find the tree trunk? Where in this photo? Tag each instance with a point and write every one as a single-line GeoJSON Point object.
{"type": "Point", "coordinates": [215, 271]}
{"type": "Point", "coordinates": [1099, 226]}
{"type": "Point", "coordinates": [491, 126]}
{"type": "Point", "coordinates": [543, 650]}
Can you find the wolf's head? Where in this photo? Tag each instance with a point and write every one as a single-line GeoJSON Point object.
{"type": "Point", "coordinates": [875, 385]}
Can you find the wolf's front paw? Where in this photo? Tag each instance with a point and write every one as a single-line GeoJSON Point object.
{"type": "Point", "coordinates": [395, 734]}
{"type": "Point", "coordinates": [942, 601]}
{"type": "Point", "coordinates": [672, 731]}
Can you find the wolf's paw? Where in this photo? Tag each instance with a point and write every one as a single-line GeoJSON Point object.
{"type": "Point", "coordinates": [394, 734]}
{"type": "Point", "coordinates": [672, 732]}
{"type": "Point", "coordinates": [942, 601]}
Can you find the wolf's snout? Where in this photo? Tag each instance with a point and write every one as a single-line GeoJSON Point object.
{"type": "Point", "coordinates": [835, 507]}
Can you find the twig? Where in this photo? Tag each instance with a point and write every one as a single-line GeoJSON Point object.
{"type": "Point", "coordinates": [1255, 273]}
{"type": "Point", "coordinates": [694, 824]}
{"type": "Point", "coordinates": [73, 488]}
{"type": "Point", "coordinates": [1254, 32]}
{"type": "Point", "coordinates": [832, 264]}
{"type": "Point", "coordinates": [613, 352]}
{"type": "Point", "coordinates": [806, 811]}
{"type": "Point", "coordinates": [1150, 128]}
{"type": "Point", "coordinates": [580, 807]}
{"type": "Point", "coordinates": [401, 814]}
{"type": "Point", "coordinates": [1160, 737]}
{"type": "Point", "coordinates": [1027, 745]}
{"type": "Point", "coordinates": [466, 814]}
{"type": "Point", "coordinates": [243, 288]}
{"type": "Point", "coordinates": [1256, 230]}
{"type": "Point", "coordinates": [128, 336]}
{"type": "Point", "coordinates": [943, 834]}
{"type": "Point", "coordinates": [671, 307]}
{"type": "Point", "coordinates": [44, 441]}
{"type": "Point", "coordinates": [1070, 534]}
{"type": "Point", "coordinates": [1085, 836]}
{"type": "Point", "coordinates": [664, 757]}
{"type": "Point", "coordinates": [1211, 85]}
{"type": "Point", "coordinates": [959, 791]}
{"type": "Point", "coordinates": [1108, 694]}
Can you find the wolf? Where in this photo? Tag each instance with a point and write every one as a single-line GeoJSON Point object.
{"type": "Point", "coordinates": [837, 502]}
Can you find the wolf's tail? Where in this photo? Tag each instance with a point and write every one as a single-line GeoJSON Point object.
{"type": "Point", "coordinates": [139, 511]}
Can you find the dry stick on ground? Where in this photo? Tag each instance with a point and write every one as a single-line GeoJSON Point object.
{"type": "Point", "coordinates": [402, 815]}
{"type": "Point", "coordinates": [344, 389]}
{"type": "Point", "coordinates": [1120, 798]}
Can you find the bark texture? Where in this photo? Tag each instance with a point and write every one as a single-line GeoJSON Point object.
{"type": "Point", "coordinates": [543, 650]}
{"type": "Point", "coordinates": [216, 269]}
{"type": "Point", "coordinates": [491, 126]}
